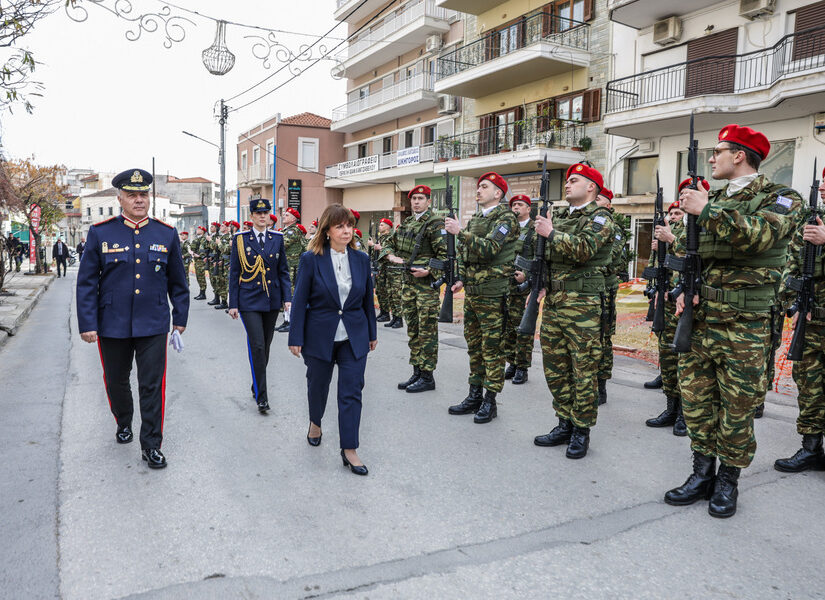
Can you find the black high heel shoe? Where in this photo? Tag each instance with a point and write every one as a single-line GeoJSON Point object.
{"type": "Point", "coordinates": [314, 441]}
{"type": "Point", "coordinates": [361, 470]}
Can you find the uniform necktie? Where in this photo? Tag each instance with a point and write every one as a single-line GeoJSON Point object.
{"type": "Point", "coordinates": [261, 239]}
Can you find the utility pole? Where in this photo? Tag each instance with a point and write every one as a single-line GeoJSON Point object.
{"type": "Point", "coordinates": [224, 116]}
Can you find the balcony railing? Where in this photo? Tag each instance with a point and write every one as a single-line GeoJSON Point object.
{"type": "Point", "coordinates": [728, 74]}
{"type": "Point", "coordinates": [392, 23]}
{"type": "Point", "coordinates": [426, 153]}
{"type": "Point", "coordinates": [417, 83]}
{"type": "Point", "coordinates": [257, 172]}
{"type": "Point", "coordinates": [530, 30]}
{"type": "Point", "coordinates": [530, 133]}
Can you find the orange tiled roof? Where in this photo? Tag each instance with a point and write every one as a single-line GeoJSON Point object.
{"type": "Point", "coordinates": [173, 179]}
{"type": "Point", "coordinates": [307, 119]}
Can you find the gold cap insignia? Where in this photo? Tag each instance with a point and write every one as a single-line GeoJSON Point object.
{"type": "Point", "coordinates": [725, 133]}
{"type": "Point", "coordinates": [579, 167]}
{"type": "Point", "coordinates": [492, 177]}
{"type": "Point", "coordinates": [261, 205]}
{"type": "Point", "coordinates": [137, 177]}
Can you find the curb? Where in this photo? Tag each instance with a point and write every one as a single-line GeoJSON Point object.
{"type": "Point", "coordinates": [10, 329]}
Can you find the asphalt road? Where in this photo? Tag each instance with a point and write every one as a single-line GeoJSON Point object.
{"type": "Point", "coordinates": [451, 509]}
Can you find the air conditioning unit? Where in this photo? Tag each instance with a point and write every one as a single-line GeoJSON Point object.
{"type": "Point", "coordinates": [667, 31]}
{"type": "Point", "coordinates": [447, 104]}
{"type": "Point", "coordinates": [434, 42]}
{"type": "Point", "coordinates": [751, 9]}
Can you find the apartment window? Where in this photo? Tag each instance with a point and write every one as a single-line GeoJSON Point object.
{"type": "Point", "coordinates": [256, 156]}
{"type": "Point", "coordinates": [582, 106]}
{"type": "Point", "coordinates": [363, 92]}
{"type": "Point", "coordinates": [100, 211]}
{"type": "Point", "coordinates": [429, 134]}
{"type": "Point", "coordinates": [270, 152]}
{"type": "Point", "coordinates": [111, 211]}
{"type": "Point", "coordinates": [408, 139]}
{"type": "Point", "coordinates": [307, 154]}
{"type": "Point", "coordinates": [362, 150]}
{"type": "Point", "coordinates": [811, 44]}
{"type": "Point", "coordinates": [88, 211]}
{"type": "Point", "coordinates": [641, 175]}
{"type": "Point", "coordinates": [243, 161]}
{"type": "Point", "coordinates": [164, 213]}
{"type": "Point", "coordinates": [387, 145]}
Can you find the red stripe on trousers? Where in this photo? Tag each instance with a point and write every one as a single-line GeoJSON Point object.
{"type": "Point", "coordinates": [105, 387]}
{"type": "Point", "coordinates": [163, 386]}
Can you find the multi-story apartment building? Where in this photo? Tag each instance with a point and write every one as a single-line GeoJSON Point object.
{"type": "Point", "coordinates": [188, 190]}
{"type": "Point", "coordinates": [759, 63]}
{"type": "Point", "coordinates": [393, 118]}
{"type": "Point", "coordinates": [303, 144]}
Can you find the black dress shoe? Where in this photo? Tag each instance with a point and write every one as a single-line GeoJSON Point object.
{"type": "Point", "coordinates": [154, 458]}
{"type": "Point", "coordinates": [655, 384]}
{"type": "Point", "coordinates": [124, 434]}
{"type": "Point", "coordinates": [520, 376]}
{"type": "Point", "coordinates": [470, 404]}
{"type": "Point", "coordinates": [284, 328]}
{"type": "Point", "coordinates": [399, 323]}
{"type": "Point", "coordinates": [602, 391]}
{"type": "Point", "coordinates": [510, 371]}
{"type": "Point", "coordinates": [725, 492]}
{"type": "Point", "coordinates": [667, 417]}
{"type": "Point", "coordinates": [314, 441]}
{"type": "Point", "coordinates": [809, 456]}
{"type": "Point", "coordinates": [488, 409]}
{"type": "Point", "coordinates": [382, 317]}
{"type": "Point", "coordinates": [358, 470]}
{"type": "Point", "coordinates": [698, 486]}
{"type": "Point", "coordinates": [263, 407]}
{"type": "Point", "coordinates": [415, 375]}
{"type": "Point", "coordinates": [424, 383]}
{"type": "Point", "coordinates": [560, 434]}
{"type": "Point", "coordinates": [579, 442]}
{"type": "Point", "coordinates": [760, 410]}
{"type": "Point", "coordinates": [391, 322]}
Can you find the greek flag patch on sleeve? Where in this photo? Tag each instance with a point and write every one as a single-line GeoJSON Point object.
{"type": "Point", "coordinates": [443, 232]}
{"type": "Point", "coordinates": [501, 232]}
{"type": "Point", "coordinates": [786, 202]}
{"type": "Point", "coordinates": [618, 237]}
{"type": "Point", "coordinates": [601, 220]}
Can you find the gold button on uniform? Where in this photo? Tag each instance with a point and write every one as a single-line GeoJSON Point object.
{"type": "Point", "coordinates": [137, 276]}
{"type": "Point", "coordinates": [137, 245]}
{"type": "Point", "coordinates": [340, 312]}
{"type": "Point", "coordinates": [137, 291]}
{"type": "Point", "coordinates": [136, 260]}
{"type": "Point", "coordinates": [137, 231]}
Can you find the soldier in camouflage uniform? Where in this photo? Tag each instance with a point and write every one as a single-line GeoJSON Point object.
{"type": "Point", "coordinates": [518, 347]}
{"type": "Point", "coordinates": [225, 250]}
{"type": "Point", "coordinates": [383, 282]}
{"type": "Point", "coordinates": [412, 245]}
{"type": "Point", "coordinates": [746, 227]}
{"type": "Point", "coordinates": [579, 244]}
{"type": "Point", "coordinates": [210, 254]}
{"type": "Point", "coordinates": [216, 266]}
{"type": "Point", "coordinates": [295, 244]}
{"type": "Point", "coordinates": [198, 248]}
{"type": "Point", "coordinates": [486, 250]}
{"type": "Point", "coordinates": [672, 233]}
{"type": "Point", "coordinates": [186, 253]}
{"type": "Point", "coordinates": [809, 373]}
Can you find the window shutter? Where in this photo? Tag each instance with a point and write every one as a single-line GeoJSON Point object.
{"type": "Point", "coordinates": [588, 10]}
{"type": "Point", "coordinates": [708, 75]}
{"type": "Point", "coordinates": [592, 105]}
{"type": "Point", "coordinates": [485, 123]}
{"type": "Point", "coordinates": [811, 44]}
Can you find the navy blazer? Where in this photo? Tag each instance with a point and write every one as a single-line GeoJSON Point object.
{"type": "Point", "coordinates": [253, 294]}
{"type": "Point", "coordinates": [317, 310]}
{"type": "Point", "coordinates": [126, 278]}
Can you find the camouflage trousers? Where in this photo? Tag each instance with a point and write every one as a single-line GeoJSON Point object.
{"type": "Point", "coordinates": [722, 380]}
{"type": "Point", "coordinates": [668, 359]}
{"type": "Point", "coordinates": [200, 274]}
{"type": "Point", "coordinates": [777, 324]}
{"type": "Point", "coordinates": [383, 289]}
{"type": "Point", "coordinates": [421, 313]}
{"type": "Point", "coordinates": [571, 349]}
{"type": "Point", "coordinates": [606, 360]}
{"type": "Point", "coordinates": [396, 284]}
{"type": "Point", "coordinates": [222, 281]}
{"type": "Point", "coordinates": [808, 374]}
{"type": "Point", "coordinates": [484, 320]}
{"type": "Point", "coordinates": [186, 270]}
{"type": "Point", "coordinates": [293, 275]}
{"type": "Point", "coordinates": [518, 348]}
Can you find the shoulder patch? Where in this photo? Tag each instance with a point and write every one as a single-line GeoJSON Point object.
{"type": "Point", "coordinates": [601, 220]}
{"type": "Point", "coordinates": [105, 221]}
{"type": "Point", "coordinates": [162, 223]}
{"type": "Point", "coordinates": [784, 201]}
{"type": "Point", "coordinates": [618, 237]}
{"type": "Point", "coordinates": [501, 232]}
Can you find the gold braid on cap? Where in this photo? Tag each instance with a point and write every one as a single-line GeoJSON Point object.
{"type": "Point", "coordinates": [251, 271]}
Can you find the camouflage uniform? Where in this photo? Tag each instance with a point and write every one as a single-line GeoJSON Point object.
{"type": "Point", "coordinates": [617, 266]}
{"type": "Point", "coordinates": [185, 248]}
{"type": "Point", "coordinates": [518, 348]}
{"type": "Point", "coordinates": [216, 267]}
{"type": "Point", "coordinates": [577, 252]}
{"type": "Point", "coordinates": [487, 249]}
{"type": "Point", "coordinates": [420, 301]}
{"type": "Point", "coordinates": [383, 283]}
{"type": "Point", "coordinates": [668, 359]}
{"type": "Point", "coordinates": [743, 249]}
{"type": "Point", "coordinates": [224, 250]}
{"type": "Point", "coordinates": [198, 246]}
{"type": "Point", "coordinates": [294, 245]}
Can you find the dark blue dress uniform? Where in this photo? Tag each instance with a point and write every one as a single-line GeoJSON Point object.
{"type": "Point", "coordinates": [258, 287]}
{"type": "Point", "coordinates": [129, 273]}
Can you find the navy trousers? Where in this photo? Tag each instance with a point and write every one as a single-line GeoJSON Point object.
{"type": "Point", "coordinates": [350, 384]}
{"type": "Point", "coordinates": [260, 328]}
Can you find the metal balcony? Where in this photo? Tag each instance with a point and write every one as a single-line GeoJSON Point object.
{"type": "Point", "coordinates": [473, 7]}
{"type": "Point", "coordinates": [539, 46]}
{"type": "Point", "coordinates": [344, 9]}
{"type": "Point", "coordinates": [260, 174]}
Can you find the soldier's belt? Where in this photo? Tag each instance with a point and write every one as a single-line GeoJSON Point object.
{"type": "Point", "coordinates": [750, 299]}
{"type": "Point", "coordinates": [818, 312]}
{"type": "Point", "coordinates": [493, 287]}
{"type": "Point", "coordinates": [592, 284]}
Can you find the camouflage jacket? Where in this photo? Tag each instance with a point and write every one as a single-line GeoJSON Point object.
{"type": "Point", "coordinates": [486, 249]}
{"type": "Point", "coordinates": [749, 230]}
{"type": "Point", "coordinates": [294, 245]}
{"type": "Point", "coordinates": [198, 246]}
{"type": "Point", "coordinates": [796, 251]}
{"type": "Point", "coordinates": [525, 247]}
{"type": "Point", "coordinates": [676, 248]}
{"type": "Point", "coordinates": [401, 242]}
{"type": "Point", "coordinates": [617, 268]}
{"type": "Point", "coordinates": [185, 248]}
{"type": "Point", "coordinates": [225, 247]}
{"type": "Point", "coordinates": [382, 255]}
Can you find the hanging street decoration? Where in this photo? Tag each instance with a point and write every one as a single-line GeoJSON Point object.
{"type": "Point", "coordinates": [264, 47]}
{"type": "Point", "coordinates": [217, 59]}
{"type": "Point", "coordinates": [171, 26]}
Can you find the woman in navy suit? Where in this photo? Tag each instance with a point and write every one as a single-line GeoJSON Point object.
{"type": "Point", "coordinates": [333, 323]}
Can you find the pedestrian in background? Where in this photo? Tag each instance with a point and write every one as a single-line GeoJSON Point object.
{"type": "Point", "coordinates": [80, 247]}
{"type": "Point", "coordinates": [60, 252]}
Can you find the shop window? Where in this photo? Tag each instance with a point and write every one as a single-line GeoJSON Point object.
{"type": "Point", "coordinates": [641, 175]}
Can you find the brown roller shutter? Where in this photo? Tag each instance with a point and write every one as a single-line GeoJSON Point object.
{"type": "Point", "coordinates": [588, 10]}
{"type": "Point", "coordinates": [812, 43]}
{"type": "Point", "coordinates": [485, 134]}
{"type": "Point", "coordinates": [592, 105]}
{"type": "Point", "coordinates": [707, 75]}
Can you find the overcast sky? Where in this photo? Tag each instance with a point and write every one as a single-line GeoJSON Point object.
{"type": "Point", "coordinates": [110, 104]}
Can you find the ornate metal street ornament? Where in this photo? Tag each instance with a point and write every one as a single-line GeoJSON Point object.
{"type": "Point", "coordinates": [217, 59]}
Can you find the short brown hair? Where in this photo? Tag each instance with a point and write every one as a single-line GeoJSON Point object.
{"type": "Point", "coordinates": [333, 215]}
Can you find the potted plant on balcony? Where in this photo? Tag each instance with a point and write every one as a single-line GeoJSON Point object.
{"type": "Point", "coordinates": [585, 143]}
{"type": "Point", "coordinates": [456, 150]}
{"type": "Point", "coordinates": [442, 148]}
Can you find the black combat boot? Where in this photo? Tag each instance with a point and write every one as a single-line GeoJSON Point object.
{"type": "Point", "coordinates": [679, 426]}
{"type": "Point", "coordinates": [725, 492]}
{"type": "Point", "coordinates": [810, 456]}
{"type": "Point", "coordinates": [424, 383]}
{"type": "Point", "coordinates": [760, 410]}
{"type": "Point", "coordinates": [560, 434]}
{"type": "Point", "coordinates": [201, 296]}
{"type": "Point", "coordinates": [214, 301]}
{"type": "Point", "coordinates": [470, 404]}
{"type": "Point", "coordinates": [510, 371]}
{"type": "Point", "coordinates": [222, 305]}
{"type": "Point", "coordinates": [602, 391]}
{"type": "Point", "coordinates": [488, 410]}
{"type": "Point", "coordinates": [655, 384]}
{"type": "Point", "coordinates": [399, 323]}
{"type": "Point", "coordinates": [520, 376]}
{"type": "Point", "coordinates": [391, 322]}
{"type": "Point", "coordinates": [699, 486]}
{"type": "Point", "coordinates": [415, 375]}
{"type": "Point", "coordinates": [668, 417]}
{"type": "Point", "coordinates": [382, 317]}
{"type": "Point", "coordinates": [579, 442]}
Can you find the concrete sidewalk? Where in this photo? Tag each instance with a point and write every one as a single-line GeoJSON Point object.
{"type": "Point", "coordinates": [21, 292]}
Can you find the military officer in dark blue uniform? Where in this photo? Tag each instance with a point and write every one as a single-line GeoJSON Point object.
{"type": "Point", "coordinates": [259, 287]}
{"type": "Point", "coordinates": [131, 269]}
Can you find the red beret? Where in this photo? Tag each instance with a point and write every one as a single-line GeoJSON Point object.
{"type": "Point", "coordinates": [387, 221]}
{"type": "Point", "coordinates": [520, 198]}
{"type": "Point", "coordinates": [357, 231]}
{"type": "Point", "coordinates": [674, 204]}
{"type": "Point", "coordinates": [293, 212]}
{"type": "Point", "coordinates": [273, 218]}
{"type": "Point", "coordinates": [315, 223]}
{"type": "Point", "coordinates": [302, 228]}
{"type": "Point", "coordinates": [184, 233]}
{"type": "Point", "coordinates": [606, 193]}
{"type": "Point", "coordinates": [585, 171]}
{"type": "Point", "coordinates": [496, 179]}
{"type": "Point", "coordinates": [355, 213]}
{"type": "Point", "coordinates": [236, 224]}
{"type": "Point", "coordinates": [420, 189]}
{"type": "Point", "coordinates": [201, 227]}
{"type": "Point", "coordinates": [216, 224]}
{"type": "Point", "coordinates": [249, 223]}
{"type": "Point", "coordinates": [702, 181]}
{"type": "Point", "coordinates": [226, 223]}
{"type": "Point", "coordinates": [747, 137]}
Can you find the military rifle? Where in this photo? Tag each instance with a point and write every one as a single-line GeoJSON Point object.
{"type": "Point", "coordinates": [536, 268]}
{"type": "Point", "coordinates": [690, 267]}
{"type": "Point", "coordinates": [804, 286]}
{"type": "Point", "coordinates": [447, 266]}
{"type": "Point", "coordinates": [373, 253]}
{"type": "Point", "coordinates": [659, 273]}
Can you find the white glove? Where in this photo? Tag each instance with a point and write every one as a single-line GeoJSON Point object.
{"type": "Point", "coordinates": [175, 341]}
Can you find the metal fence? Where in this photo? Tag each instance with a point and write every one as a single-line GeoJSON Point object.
{"type": "Point", "coordinates": [417, 83]}
{"type": "Point", "coordinates": [529, 30]}
{"type": "Point", "coordinates": [729, 74]}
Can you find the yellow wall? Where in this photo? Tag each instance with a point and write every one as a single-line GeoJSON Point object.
{"type": "Point", "coordinates": [505, 12]}
{"type": "Point", "coordinates": [532, 92]}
